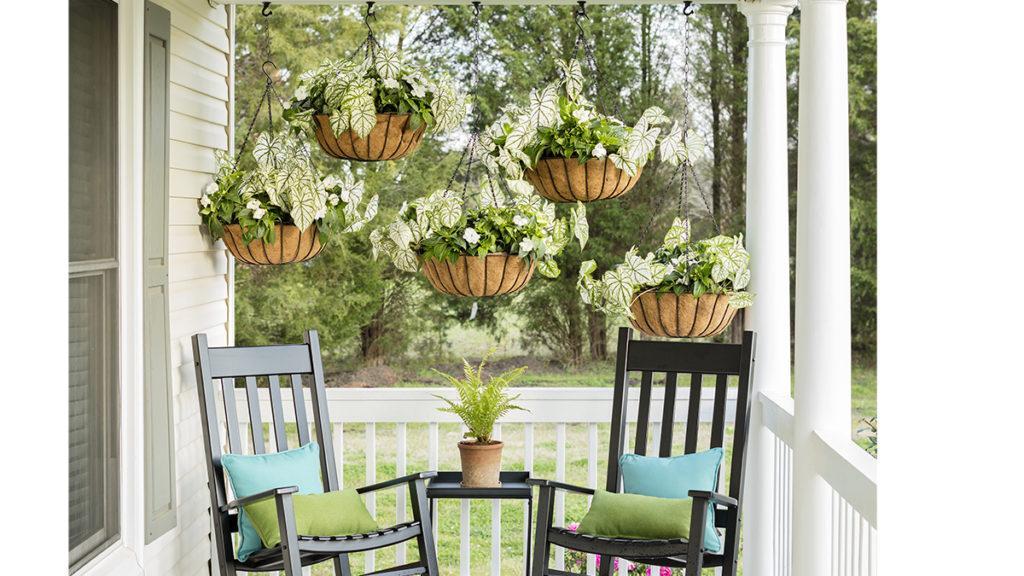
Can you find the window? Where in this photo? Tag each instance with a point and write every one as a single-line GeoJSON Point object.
{"type": "Point", "coordinates": [94, 461]}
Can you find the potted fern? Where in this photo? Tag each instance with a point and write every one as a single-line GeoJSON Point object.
{"type": "Point", "coordinates": [480, 404]}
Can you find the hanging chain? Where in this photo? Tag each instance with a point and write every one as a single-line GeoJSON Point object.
{"type": "Point", "coordinates": [579, 15]}
{"type": "Point", "coordinates": [264, 43]}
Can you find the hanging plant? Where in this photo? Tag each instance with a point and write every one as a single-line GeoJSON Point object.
{"type": "Point", "coordinates": [682, 290]}
{"type": "Point", "coordinates": [570, 152]}
{"type": "Point", "coordinates": [281, 210]}
{"type": "Point", "coordinates": [488, 249]}
{"type": "Point", "coordinates": [376, 108]}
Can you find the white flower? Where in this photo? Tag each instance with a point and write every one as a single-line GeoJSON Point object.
{"type": "Point", "coordinates": [583, 115]}
{"type": "Point", "coordinates": [333, 199]}
{"type": "Point", "coordinates": [253, 204]}
{"type": "Point", "coordinates": [205, 201]}
{"type": "Point", "coordinates": [258, 213]}
{"type": "Point", "coordinates": [599, 151]}
{"type": "Point", "coordinates": [520, 220]}
{"type": "Point", "coordinates": [525, 246]}
{"type": "Point", "coordinates": [391, 83]}
{"type": "Point", "coordinates": [471, 236]}
{"type": "Point", "coordinates": [330, 182]}
{"type": "Point", "coordinates": [301, 92]}
{"type": "Point", "coordinates": [210, 188]}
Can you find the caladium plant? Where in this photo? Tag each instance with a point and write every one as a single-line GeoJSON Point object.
{"type": "Point", "coordinates": [444, 226]}
{"type": "Point", "coordinates": [558, 121]}
{"type": "Point", "coordinates": [352, 92]}
{"type": "Point", "coordinates": [283, 187]}
{"type": "Point", "coordinates": [718, 265]}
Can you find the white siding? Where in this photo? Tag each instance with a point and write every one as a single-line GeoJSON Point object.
{"type": "Point", "coordinates": [199, 292]}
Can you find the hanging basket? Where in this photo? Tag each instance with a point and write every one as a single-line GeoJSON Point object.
{"type": "Point", "coordinates": [681, 315]}
{"type": "Point", "coordinates": [392, 138]}
{"type": "Point", "coordinates": [491, 275]}
{"type": "Point", "coordinates": [566, 180]}
{"type": "Point", "coordinates": [290, 245]}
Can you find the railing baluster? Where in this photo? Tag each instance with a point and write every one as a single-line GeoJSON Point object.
{"type": "Point", "coordinates": [432, 465]}
{"type": "Point", "coordinates": [528, 466]}
{"type": "Point", "coordinates": [400, 493]}
{"type": "Point", "coordinates": [560, 495]}
{"type": "Point", "coordinates": [464, 538]}
{"type": "Point", "coordinates": [873, 553]}
{"type": "Point", "coordinates": [371, 478]}
{"type": "Point", "coordinates": [496, 524]}
{"type": "Point", "coordinates": [338, 430]}
{"type": "Point", "coordinates": [591, 481]}
{"type": "Point", "coordinates": [833, 524]}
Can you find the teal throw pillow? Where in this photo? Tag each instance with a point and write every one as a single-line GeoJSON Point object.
{"type": "Point", "coordinates": [674, 478]}
{"type": "Point", "coordinates": [252, 474]}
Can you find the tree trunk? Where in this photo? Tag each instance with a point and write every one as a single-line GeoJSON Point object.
{"type": "Point", "coordinates": [598, 335]}
{"type": "Point", "coordinates": [369, 340]}
{"type": "Point", "coordinates": [714, 90]}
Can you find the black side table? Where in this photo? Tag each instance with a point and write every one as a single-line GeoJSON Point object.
{"type": "Point", "coordinates": [513, 487]}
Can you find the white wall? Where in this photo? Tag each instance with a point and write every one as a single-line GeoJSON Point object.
{"type": "Point", "coordinates": [199, 124]}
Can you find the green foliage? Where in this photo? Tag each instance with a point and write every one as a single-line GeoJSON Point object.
{"type": "Point", "coordinates": [353, 92]}
{"type": "Point", "coordinates": [481, 404]}
{"type": "Point", "coordinates": [870, 433]}
{"type": "Point", "coordinates": [438, 226]}
{"type": "Point", "coordinates": [560, 122]}
{"type": "Point", "coordinates": [283, 188]}
{"type": "Point", "coordinates": [717, 265]}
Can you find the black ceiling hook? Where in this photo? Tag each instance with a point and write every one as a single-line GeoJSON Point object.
{"type": "Point", "coordinates": [476, 8]}
{"type": "Point", "coordinates": [266, 9]}
{"type": "Point", "coordinates": [581, 8]}
{"type": "Point", "coordinates": [688, 8]}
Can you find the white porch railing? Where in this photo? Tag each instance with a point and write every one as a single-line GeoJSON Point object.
{"type": "Point", "coordinates": [575, 409]}
{"type": "Point", "coordinates": [848, 470]}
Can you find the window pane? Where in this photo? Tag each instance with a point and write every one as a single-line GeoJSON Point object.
{"type": "Point", "coordinates": [92, 124]}
{"type": "Point", "coordinates": [93, 486]}
{"type": "Point", "coordinates": [92, 425]}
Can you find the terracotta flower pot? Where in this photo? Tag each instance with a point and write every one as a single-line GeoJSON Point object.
{"type": "Point", "coordinates": [490, 275]}
{"type": "Point", "coordinates": [481, 464]}
{"type": "Point", "coordinates": [290, 245]}
{"type": "Point", "coordinates": [681, 315]}
{"type": "Point", "coordinates": [391, 139]}
{"type": "Point", "coordinates": [566, 180]}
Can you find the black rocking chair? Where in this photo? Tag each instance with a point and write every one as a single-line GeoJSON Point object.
{"type": "Point", "coordinates": [671, 358]}
{"type": "Point", "coordinates": [293, 363]}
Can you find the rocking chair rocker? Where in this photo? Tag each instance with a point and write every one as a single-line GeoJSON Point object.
{"type": "Point", "coordinates": [293, 363]}
{"type": "Point", "coordinates": [672, 358]}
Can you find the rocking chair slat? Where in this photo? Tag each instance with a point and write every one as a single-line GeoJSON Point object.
{"type": "Point", "coordinates": [718, 418]}
{"type": "Point", "coordinates": [668, 416]}
{"type": "Point", "coordinates": [231, 415]}
{"type": "Point", "coordinates": [299, 403]}
{"type": "Point", "coordinates": [693, 414]}
{"type": "Point", "coordinates": [277, 414]}
{"type": "Point", "coordinates": [643, 414]}
{"type": "Point", "coordinates": [252, 398]}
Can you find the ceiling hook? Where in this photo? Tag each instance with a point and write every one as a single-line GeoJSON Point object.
{"type": "Point", "coordinates": [581, 8]}
{"type": "Point", "coordinates": [266, 9]}
{"type": "Point", "coordinates": [689, 8]}
{"type": "Point", "coordinates": [476, 8]}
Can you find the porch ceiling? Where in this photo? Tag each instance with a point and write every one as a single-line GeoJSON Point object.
{"type": "Point", "coordinates": [468, 2]}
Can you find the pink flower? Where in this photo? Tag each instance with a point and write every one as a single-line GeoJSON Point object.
{"type": "Point", "coordinates": [572, 526]}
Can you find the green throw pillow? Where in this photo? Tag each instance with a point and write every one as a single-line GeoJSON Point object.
{"type": "Point", "coordinates": [635, 516]}
{"type": "Point", "coordinates": [330, 514]}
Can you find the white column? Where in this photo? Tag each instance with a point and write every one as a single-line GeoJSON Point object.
{"type": "Point", "coordinates": [822, 350]}
{"type": "Point", "coordinates": [767, 240]}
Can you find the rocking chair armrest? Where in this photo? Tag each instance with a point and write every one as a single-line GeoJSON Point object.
{"type": "Point", "coordinates": [559, 486]}
{"type": "Point", "coordinates": [714, 497]}
{"type": "Point", "coordinates": [397, 481]}
{"type": "Point", "coordinates": [253, 498]}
